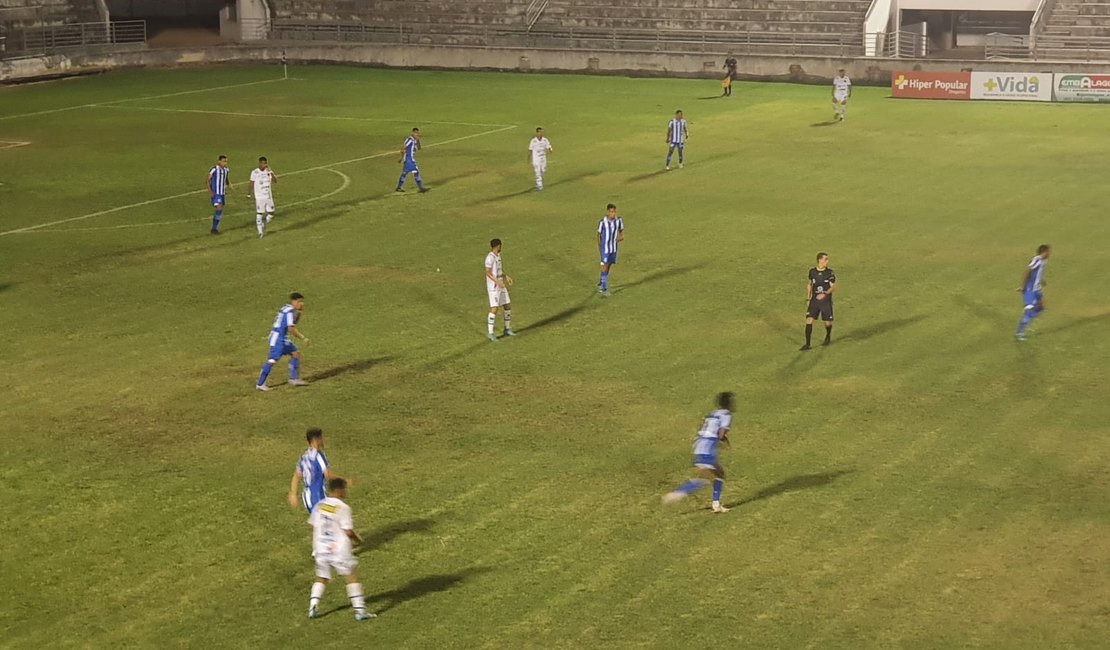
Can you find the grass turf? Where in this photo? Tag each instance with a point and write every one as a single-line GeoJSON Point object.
{"type": "Point", "coordinates": [925, 482]}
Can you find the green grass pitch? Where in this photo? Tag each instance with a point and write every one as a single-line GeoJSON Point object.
{"type": "Point", "coordinates": [925, 482]}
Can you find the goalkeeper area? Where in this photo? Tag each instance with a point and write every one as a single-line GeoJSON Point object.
{"type": "Point", "coordinates": [923, 482]}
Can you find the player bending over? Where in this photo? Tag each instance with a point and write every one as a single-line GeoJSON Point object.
{"type": "Point", "coordinates": [333, 531]}
{"type": "Point", "coordinates": [714, 430]}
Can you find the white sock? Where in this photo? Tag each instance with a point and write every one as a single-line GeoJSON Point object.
{"type": "Point", "coordinates": [490, 321]}
{"type": "Point", "coordinates": [508, 319]}
{"type": "Point", "coordinates": [258, 222]}
{"type": "Point", "coordinates": [716, 504]}
{"type": "Point", "coordinates": [317, 593]}
{"type": "Point", "coordinates": [354, 592]}
{"type": "Point", "coordinates": [269, 217]}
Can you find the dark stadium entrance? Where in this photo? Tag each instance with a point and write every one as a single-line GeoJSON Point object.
{"type": "Point", "coordinates": [176, 23]}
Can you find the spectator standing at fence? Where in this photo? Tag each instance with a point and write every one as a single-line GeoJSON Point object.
{"type": "Point", "coordinates": [730, 75]}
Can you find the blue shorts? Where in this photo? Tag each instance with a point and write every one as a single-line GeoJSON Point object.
{"type": "Point", "coordinates": [608, 258]}
{"type": "Point", "coordinates": [1032, 298]}
{"type": "Point", "coordinates": [680, 145]}
{"type": "Point", "coordinates": [708, 461]}
{"type": "Point", "coordinates": [217, 199]}
{"type": "Point", "coordinates": [410, 166]}
{"type": "Point", "coordinates": [281, 349]}
{"type": "Point", "coordinates": [310, 498]}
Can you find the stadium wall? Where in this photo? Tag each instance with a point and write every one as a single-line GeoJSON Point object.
{"type": "Point", "coordinates": [800, 69]}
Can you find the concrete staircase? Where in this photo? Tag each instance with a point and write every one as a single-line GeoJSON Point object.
{"type": "Point", "coordinates": [1076, 30]}
{"type": "Point", "coordinates": [22, 14]}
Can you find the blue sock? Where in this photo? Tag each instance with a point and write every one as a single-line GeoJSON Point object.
{"type": "Point", "coordinates": [216, 219]}
{"type": "Point", "coordinates": [294, 368]}
{"type": "Point", "coordinates": [604, 280]}
{"type": "Point", "coordinates": [401, 181]}
{"type": "Point", "coordinates": [419, 183]}
{"type": "Point", "coordinates": [691, 486]}
{"type": "Point", "coordinates": [670, 152]}
{"type": "Point", "coordinates": [1029, 315]}
{"type": "Point", "coordinates": [681, 153]}
{"type": "Point", "coordinates": [266, 367]}
{"type": "Point", "coordinates": [718, 484]}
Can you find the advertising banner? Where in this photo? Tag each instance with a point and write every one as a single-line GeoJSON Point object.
{"type": "Point", "coordinates": [1078, 87]}
{"type": "Point", "coordinates": [1016, 86]}
{"type": "Point", "coordinates": [931, 85]}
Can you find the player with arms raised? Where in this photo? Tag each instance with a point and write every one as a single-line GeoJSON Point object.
{"type": "Point", "coordinates": [714, 430]}
{"type": "Point", "coordinates": [841, 92]}
{"type": "Point", "coordinates": [333, 531]}
{"type": "Point", "coordinates": [262, 180]}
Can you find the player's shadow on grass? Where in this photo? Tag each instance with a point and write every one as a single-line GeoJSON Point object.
{"type": "Point", "coordinates": [661, 274]}
{"type": "Point", "coordinates": [826, 123]}
{"type": "Point", "coordinates": [562, 180]}
{"type": "Point", "coordinates": [793, 484]}
{"type": "Point", "coordinates": [422, 587]}
{"type": "Point", "coordinates": [5, 287]}
{"type": "Point", "coordinates": [983, 312]}
{"type": "Point", "coordinates": [383, 536]}
{"type": "Point", "coordinates": [1075, 322]}
{"type": "Point", "coordinates": [561, 316]}
{"type": "Point", "coordinates": [712, 97]}
{"type": "Point", "coordinates": [352, 367]}
{"type": "Point", "coordinates": [864, 333]}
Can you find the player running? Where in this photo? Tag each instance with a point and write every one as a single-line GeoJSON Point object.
{"type": "Point", "coordinates": [312, 471]}
{"type": "Point", "coordinates": [408, 157]}
{"type": "Point", "coordinates": [610, 233]}
{"type": "Point", "coordinates": [496, 280]}
{"type": "Point", "coordinates": [819, 300]}
{"type": "Point", "coordinates": [841, 92]}
{"type": "Point", "coordinates": [714, 430]}
{"type": "Point", "coordinates": [218, 184]}
{"type": "Point", "coordinates": [537, 155]}
{"type": "Point", "coordinates": [285, 325]}
{"type": "Point", "coordinates": [1032, 285]}
{"type": "Point", "coordinates": [333, 531]}
{"type": "Point", "coordinates": [676, 138]}
{"type": "Point", "coordinates": [263, 179]}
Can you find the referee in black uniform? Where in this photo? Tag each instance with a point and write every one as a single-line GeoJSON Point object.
{"type": "Point", "coordinates": [819, 300]}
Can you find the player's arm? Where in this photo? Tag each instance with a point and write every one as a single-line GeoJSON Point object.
{"type": "Point", "coordinates": [292, 329]}
{"type": "Point", "coordinates": [250, 184]}
{"type": "Point", "coordinates": [354, 537]}
{"type": "Point", "coordinates": [208, 184]}
{"type": "Point", "coordinates": [293, 487]}
{"type": "Point", "coordinates": [1025, 279]}
{"type": "Point", "coordinates": [489, 276]}
{"type": "Point", "coordinates": [401, 158]}
{"type": "Point", "coordinates": [722, 433]}
{"type": "Point", "coordinates": [832, 285]}
{"type": "Point", "coordinates": [273, 177]}
{"type": "Point", "coordinates": [809, 290]}
{"type": "Point", "coordinates": [620, 235]}
{"type": "Point", "coordinates": [599, 239]}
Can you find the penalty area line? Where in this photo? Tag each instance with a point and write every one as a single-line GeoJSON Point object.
{"type": "Point", "coordinates": [12, 144]}
{"type": "Point", "coordinates": [140, 204]}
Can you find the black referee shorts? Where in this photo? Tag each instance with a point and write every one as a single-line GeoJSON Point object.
{"type": "Point", "coordinates": [820, 309]}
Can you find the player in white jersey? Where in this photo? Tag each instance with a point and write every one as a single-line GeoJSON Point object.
{"type": "Point", "coordinates": [496, 281]}
{"type": "Point", "coordinates": [537, 155]}
{"type": "Point", "coordinates": [714, 430]}
{"type": "Point", "coordinates": [333, 530]}
{"type": "Point", "coordinates": [262, 180]}
{"type": "Point", "coordinates": [841, 91]}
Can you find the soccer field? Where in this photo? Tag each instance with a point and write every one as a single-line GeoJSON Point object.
{"type": "Point", "coordinates": [924, 482]}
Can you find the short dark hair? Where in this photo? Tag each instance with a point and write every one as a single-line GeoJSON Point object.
{"type": "Point", "coordinates": [337, 484]}
{"type": "Point", "coordinates": [677, 111]}
{"type": "Point", "coordinates": [416, 129]}
{"type": "Point", "coordinates": [1043, 248]}
{"type": "Point", "coordinates": [820, 255]}
{"type": "Point", "coordinates": [295, 296]}
{"type": "Point", "coordinates": [611, 206]}
{"type": "Point", "coordinates": [725, 400]}
{"type": "Point", "coordinates": [262, 159]}
{"type": "Point", "coordinates": [313, 434]}
{"type": "Point", "coordinates": [222, 157]}
{"type": "Point", "coordinates": [494, 243]}
{"type": "Point", "coordinates": [539, 128]}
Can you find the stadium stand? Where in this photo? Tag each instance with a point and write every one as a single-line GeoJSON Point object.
{"type": "Point", "coordinates": [833, 27]}
{"type": "Point", "coordinates": [27, 26]}
{"type": "Point", "coordinates": [1076, 30]}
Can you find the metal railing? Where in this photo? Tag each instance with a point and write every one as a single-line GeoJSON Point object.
{"type": "Point", "coordinates": [1040, 19]}
{"type": "Point", "coordinates": [254, 29]}
{"type": "Point", "coordinates": [1006, 47]}
{"type": "Point", "coordinates": [52, 38]}
{"type": "Point", "coordinates": [1072, 48]}
{"type": "Point", "coordinates": [898, 45]}
{"type": "Point", "coordinates": [533, 12]}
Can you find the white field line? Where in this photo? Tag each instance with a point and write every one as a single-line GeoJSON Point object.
{"type": "Point", "coordinates": [283, 206]}
{"type": "Point", "coordinates": [292, 173]}
{"type": "Point", "coordinates": [137, 99]}
{"type": "Point", "coordinates": [294, 117]}
{"type": "Point", "coordinates": [12, 144]}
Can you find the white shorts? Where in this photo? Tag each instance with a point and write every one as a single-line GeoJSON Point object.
{"type": "Point", "coordinates": [840, 98]}
{"type": "Point", "coordinates": [540, 167]}
{"type": "Point", "coordinates": [498, 297]}
{"type": "Point", "coordinates": [263, 205]}
{"type": "Point", "coordinates": [344, 566]}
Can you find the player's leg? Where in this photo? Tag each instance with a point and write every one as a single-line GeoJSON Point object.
{"type": "Point", "coordinates": [294, 366]}
{"type": "Point", "coordinates": [507, 314]}
{"type": "Point", "coordinates": [809, 326]}
{"type": "Point", "coordinates": [539, 176]}
{"type": "Point", "coordinates": [491, 317]}
{"type": "Point", "coordinates": [323, 574]}
{"type": "Point", "coordinates": [401, 180]}
{"type": "Point", "coordinates": [827, 319]}
{"type": "Point", "coordinates": [416, 177]}
{"type": "Point", "coordinates": [670, 152]}
{"type": "Point", "coordinates": [681, 154]}
{"type": "Point", "coordinates": [603, 282]}
{"type": "Point", "coordinates": [271, 359]}
{"type": "Point", "coordinates": [259, 216]}
{"type": "Point", "coordinates": [269, 210]}
{"type": "Point", "coordinates": [1034, 305]}
{"type": "Point", "coordinates": [718, 486]}
{"type": "Point", "coordinates": [354, 592]}
{"type": "Point", "coordinates": [217, 214]}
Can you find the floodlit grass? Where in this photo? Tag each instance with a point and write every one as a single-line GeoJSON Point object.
{"type": "Point", "coordinates": [925, 482]}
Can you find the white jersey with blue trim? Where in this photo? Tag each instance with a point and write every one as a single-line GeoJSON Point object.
{"type": "Point", "coordinates": [609, 229]}
{"type": "Point", "coordinates": [285, 319]}
{"type": "Point", "coordinates": [1036, 273]}
{"type": "Point", "coordinates": [677, 129]}
{"type": "Point", "coordinates": [710, 433]}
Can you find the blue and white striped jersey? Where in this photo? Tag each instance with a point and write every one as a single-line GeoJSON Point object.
{"type": "Point", "coordinates": [710, 433]}
{"type": "Point", "coordinates": [285, 319]}
{"type": "Point", "coordinates": [313, 466]}
{"type": "Point", "coordinates": [1036, 266]}
{"type": "Point", "coordinates": [609, 229]}
{"type": "Point", "coordinates": [217, 179]}
{"type": "Point", "coordinates": [410, 149]}
{"type": "Point", "coordinates": [677, 129]}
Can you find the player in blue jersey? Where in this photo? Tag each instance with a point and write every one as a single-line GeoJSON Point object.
{"type": "Point", "coordinates": [676, 138]}
{"type": "Point", "coordinates": [285, 325]}
{"type": "Point", "coordinates": [218, 186]}
{"type": "Point", "coordinates": [408, 158]}
{"type": "Point", "coordinates": [610, 232]}
{"type": "Point", "coordinates": [714, 430]}
{"type": "Point", "coordinates": [312, 470]}
{"type": "Point", "coordinates": [1031, 289]}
